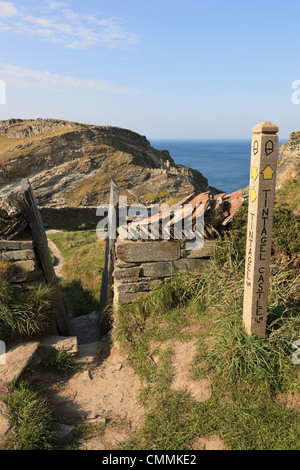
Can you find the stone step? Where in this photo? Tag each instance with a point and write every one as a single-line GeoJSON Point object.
{"type": "Point", "coordinates": [19, 356]}
{"type": "Point", "coordinates": [90, 353]}
{"type": "Point", "coordinates": [19, 255]}
{"type": "Point", "coordinates": [16, 360]}
{"type": "Point", "coordinates": [58, 343]}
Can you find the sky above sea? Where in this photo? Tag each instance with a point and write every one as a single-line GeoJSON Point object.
{"type": "Point", "coordinates": [165, 69]}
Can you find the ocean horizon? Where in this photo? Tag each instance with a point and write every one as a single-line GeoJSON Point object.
{"type": "Point", "coordinates": [225, 163]}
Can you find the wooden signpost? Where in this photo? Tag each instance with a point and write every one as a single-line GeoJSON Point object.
{"type": "Point", "coordinates": [106, 293]}
{"type": "Point", "coordinates": [260, 225]}
{"type": "Point", "coordinates": [41, 245]}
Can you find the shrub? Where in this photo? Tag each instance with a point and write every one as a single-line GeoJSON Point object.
{"type": "Point", "coordinates": [286, 231]}
{"type": "Point", "coordinates": [285, 235]}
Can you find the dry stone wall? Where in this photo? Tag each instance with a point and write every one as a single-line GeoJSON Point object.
{"type": "Point", "coordinates": [142, 266]}
{"type": "Point", "coordinates": [24, 248]}
{"type": "Point", "coordinates": [26, 272]}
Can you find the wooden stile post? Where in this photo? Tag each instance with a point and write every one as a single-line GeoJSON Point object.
{"type": "Point", "coordinates": [260, 225]}
{"type": "Point", "coordinates": [41, 245]}
{"type": "Point", "coordinates": [106, 294]}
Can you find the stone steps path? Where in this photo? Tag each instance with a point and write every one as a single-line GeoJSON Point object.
{"type": "Point", "coordinates": [19, 357]}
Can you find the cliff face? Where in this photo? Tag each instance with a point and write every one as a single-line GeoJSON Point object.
{"type": "Point", "coordinates": [289, 159]}
{"type": "Point", "coordinates": [71, 164]}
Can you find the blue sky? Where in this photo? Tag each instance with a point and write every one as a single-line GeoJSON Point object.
{"type": "Point", "coordinates": [166, 69]}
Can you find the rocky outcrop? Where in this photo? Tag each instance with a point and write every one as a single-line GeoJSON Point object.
{"type": "Point", "coordinates": [71, 164]}
{"type": "Point", "coordinates": [289, 159]}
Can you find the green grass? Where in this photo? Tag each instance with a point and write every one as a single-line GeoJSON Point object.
{"type": "Point", "coordinates": [258, 363]}
{"type": "Point", "coordinates": [24, 315]}
{"type": "Point", "coordinates": [175, 422]}
{"type": "Point", "coordinates": [214, 300]}
{"type": "Point", "coordinates": [70, 242]}
{"type": "Point", "coordinates": [60, 362]}
{"type": "Point", "coordinates": [84, 257]}
{"type": "Point", "coordinates": [32, 420]}
{"type": "Point", "coordinates": [247, 373]}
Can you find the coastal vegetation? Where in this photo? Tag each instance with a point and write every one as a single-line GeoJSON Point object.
{"type": "Point", "coordinates": [83, 255]}
{"type": "Point", "coordinates": [254, 386]}
{"type": "Point", "coordinates": [254, 382]}
{"type": "Point", "coordinates": [24, 315]}
{"type": "Point", "coordinates": [31, 417]}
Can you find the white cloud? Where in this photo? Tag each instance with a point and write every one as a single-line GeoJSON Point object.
{"type": "Point", "coordinates": [21, 77]}
{"type": "Point", "coordinates": [56, 5]}
{"type": "Point", "coordinates": [7, 10]}
{"type": "Point", "coordinates": [58, 23]}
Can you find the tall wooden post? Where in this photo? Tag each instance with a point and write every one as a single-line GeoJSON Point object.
{"type": "Point", "coordinates": [106, 293]}
{"type": "Point", "coordinates": [260, 224]}
{"type": "Point", "coordinates": [41, 245]}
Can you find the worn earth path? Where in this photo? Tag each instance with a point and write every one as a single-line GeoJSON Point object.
{"type": "Point", "coordinates": [106, 393]}
{"type": "Point", "coordinates": [102, 393]}
{"type": "Point", "coordinates": [59, 260]}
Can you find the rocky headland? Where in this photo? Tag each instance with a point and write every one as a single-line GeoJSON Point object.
{"type": "Point", "coordinates": [71, 164]}
{"type": "Point", "coordinates": [289, 159]}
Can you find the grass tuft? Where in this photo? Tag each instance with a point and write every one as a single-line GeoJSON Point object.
{"type": "Point", "coordinates": [61, 362]}
{"type": "Point", "coordinates": [25, 314]}
{"type": "Point", "coordinates": [32, 420]}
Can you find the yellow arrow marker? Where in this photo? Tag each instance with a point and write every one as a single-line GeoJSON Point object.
{"type": "Point", "coordinates": [268, 173]}
{"type": "Point", "coordinates": [254, 173]}
{"type": "Point", "coordinates": [253, 195]}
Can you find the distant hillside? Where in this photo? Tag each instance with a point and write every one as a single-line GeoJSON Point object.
{"type": "Point", "coordinates": [72, 164]}
{"type": "Point", "coordinates": [289, 159]}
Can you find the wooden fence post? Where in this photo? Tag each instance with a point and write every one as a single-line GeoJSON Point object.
{"type": "Point", "coordinates": [41, 245]}
{"type": "Point", "coordinates": [106, 294]}
{"type": "Point", "coordinates": [260, 224]}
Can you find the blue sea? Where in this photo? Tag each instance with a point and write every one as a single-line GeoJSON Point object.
{"type": "Point", "coordinates": [225, 163]}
